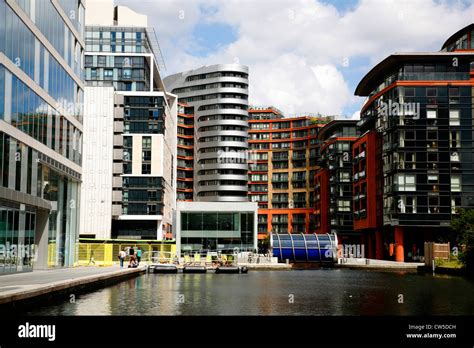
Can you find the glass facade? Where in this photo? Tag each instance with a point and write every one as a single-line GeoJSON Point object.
{"type": "Point", "coordinates": [142, 195]}
{"type": "Point", "coordinates": [116, 39]}
{"type": "Point", "coordinates": [216, 230]}
{"type": "Point", "coordinates": [16, 228]}
{"type": "Point", "coordinates": [29, 113]}
{"type": "Point", "coordinates": [21, 46]}
{"type": "Point", "coordinates": [124, 73]}
{"type": "Point", "coordinates": [144, 115]}
{"type": "Point", "coordinates": [44, 178]}
{"type": "Point", "coordinates": [48, 20]}
{"type": "Point", "coordinates": [423, 154]}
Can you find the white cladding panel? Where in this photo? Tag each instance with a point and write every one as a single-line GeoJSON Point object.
{"type": "Point", "coordinates": [96, 190]}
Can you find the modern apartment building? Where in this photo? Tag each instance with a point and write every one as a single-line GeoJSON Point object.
{"type": "Point", "coordinates": [129, 184]}
{"type": "Point", "coordinates": [283, 159]}
{"type": "Point", "coordinates": [185, 165]}
{"type": "Point", "coordinates": [416, 148]}
{"type": "Point", "coordinates": [41, 98]}
{"type": "Point", "coordinates": [219, 95]}
{"type": "Point", "coordinates": [334, 181]}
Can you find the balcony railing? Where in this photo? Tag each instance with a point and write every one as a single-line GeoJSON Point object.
{"type": "Point", "coordinates": [431, 76]}
{"type": "Point", "coordinates": [280, 200]}
{"type": "Point", "coordinates": [279, 179]}
{"type": "Point", "coordinates": [297, 157]}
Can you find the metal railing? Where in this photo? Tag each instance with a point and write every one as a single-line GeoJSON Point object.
{"type": "Point", "coordinates": [106, 254]}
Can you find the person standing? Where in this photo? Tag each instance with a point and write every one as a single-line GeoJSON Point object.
{"type": "Point", "coordinates": [122, 254]}
{"type": "Point", "coordinates": [139, 254]}
{"type": "Point", "coordinates": [131, 251]}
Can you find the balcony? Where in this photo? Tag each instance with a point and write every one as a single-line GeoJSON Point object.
{"type": "Point", "coordinates": [389, 146]}
{"type": "Point", "coordinates": [279, 158]}
{"type": "Point", "coordinates": [299, 157]}
{"type": "Point", "coordinates": [279, 179]}
{"type": "Point", "coordinates": [278, 222]}
{"type": "Point", "coordinates": [280, 200]}
{"type": "Point", "coordinates": [433, 76]}
{"type": "Point", "coordinates": [299, 200]}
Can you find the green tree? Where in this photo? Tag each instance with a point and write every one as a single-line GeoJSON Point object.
{"type": "Point", "coordinates": [463, 226]}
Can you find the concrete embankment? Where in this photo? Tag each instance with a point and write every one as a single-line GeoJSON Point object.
{"type": "Point", "coordinates": [24, 288]}
{"type": "Point", "coordinates": [379, 265]}
{"type": "Point", "coordinates": [267, 266]}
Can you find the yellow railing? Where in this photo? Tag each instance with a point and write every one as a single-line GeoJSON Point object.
{"type": "Point", "coordinates": [106, 254]}
{"type": "Point", "coordinates": [52, 255]}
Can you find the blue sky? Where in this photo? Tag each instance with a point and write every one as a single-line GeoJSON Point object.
{"type": "Point", "coordinates": [303, 55]}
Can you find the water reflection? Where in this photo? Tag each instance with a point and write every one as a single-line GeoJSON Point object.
{"type": "Point", "coordinates": [315, 292]}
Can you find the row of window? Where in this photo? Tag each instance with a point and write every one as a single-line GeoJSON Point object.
{"type": "Point", "coordinates": [26, 52]}
{"type": "Point", "coordinates": [299, 197]}
{"type": "Point", "coordinates": [50, 23]}
{"type": "Point", "coordinates": [279, 135]}
{"type": "Point", "coordinates": [26, 111]}
{"type": "Point", "coordinates": [210, 86]}
{"type": "Point", "coordinates": [408, 182]}
{"type": "Point", "coordinates": [217, 74]}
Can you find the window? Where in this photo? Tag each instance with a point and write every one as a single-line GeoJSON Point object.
{"type": "Point", "coordinates": [409, 92]}
{"type": "Point", "coordinates": [406, 182]}
{"type": "Point", "coordinates": [410, 206]}
{"type": "Point", "coordinates": [127, 73]}
{"type": "Point", "coordinates": [455, 204]}
{"type": "Point", "coordinates": [432, 160]}
{"type": "Point", "coordinates": [454, 139]}
{"type": "Point", "coordinates": [432, 179]}
{"type": "Point", "coordinates": [454, 118]}
{"type": "Point", "coordinates": [146, 143]}
{"type": "Point", "coordinates": [432, 135]}
{"type": "Point", "coordinates": [431, 92]}
{"type": "Point", "coordinates": [146, 168]}
{"type": "Point", "coordinates": [108, 73]}
{"type": "Point", "coordinates": [343, 205]}
{"type": "Point", "coordinates": [146, 155]}
{"type": "Point", "coordinates": [454, 91]}
{"type": "Point", "coordinates": [345, 177]}
{"type": "Point", "coordinates": [431, 113]}
{"type": "Point", "coordinates": [101, 61]}
{"type": "Point", "coordinates": [433, 204]}
{"type": "Point", "coordinates": [455, 183]}
{"type": "Point", "coordinates": [407, 205]}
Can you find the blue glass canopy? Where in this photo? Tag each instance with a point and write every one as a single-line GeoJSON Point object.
{"type": "Point", "coordinates": [305, 247]}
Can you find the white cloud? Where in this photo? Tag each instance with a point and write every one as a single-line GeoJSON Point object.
{"type": "Point", "coordinates": [295, 48]}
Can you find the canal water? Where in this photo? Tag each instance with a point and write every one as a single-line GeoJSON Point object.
{"type": "Point", "coordinates": [305, 292]}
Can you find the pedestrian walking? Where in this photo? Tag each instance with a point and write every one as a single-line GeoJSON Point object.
{"type": "Point", "coordinates": [122, 254]}
{"type": "Point", "coordinates": [91, 259]}
{"type": "Point", "coordinates": [139, 254]}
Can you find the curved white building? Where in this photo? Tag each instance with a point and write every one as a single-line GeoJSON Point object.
{"type": "Point", "coordinates": [219, 95]}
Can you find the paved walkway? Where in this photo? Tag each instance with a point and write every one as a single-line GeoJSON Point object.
{"type": "Point", "coordinates": [20, 286]}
